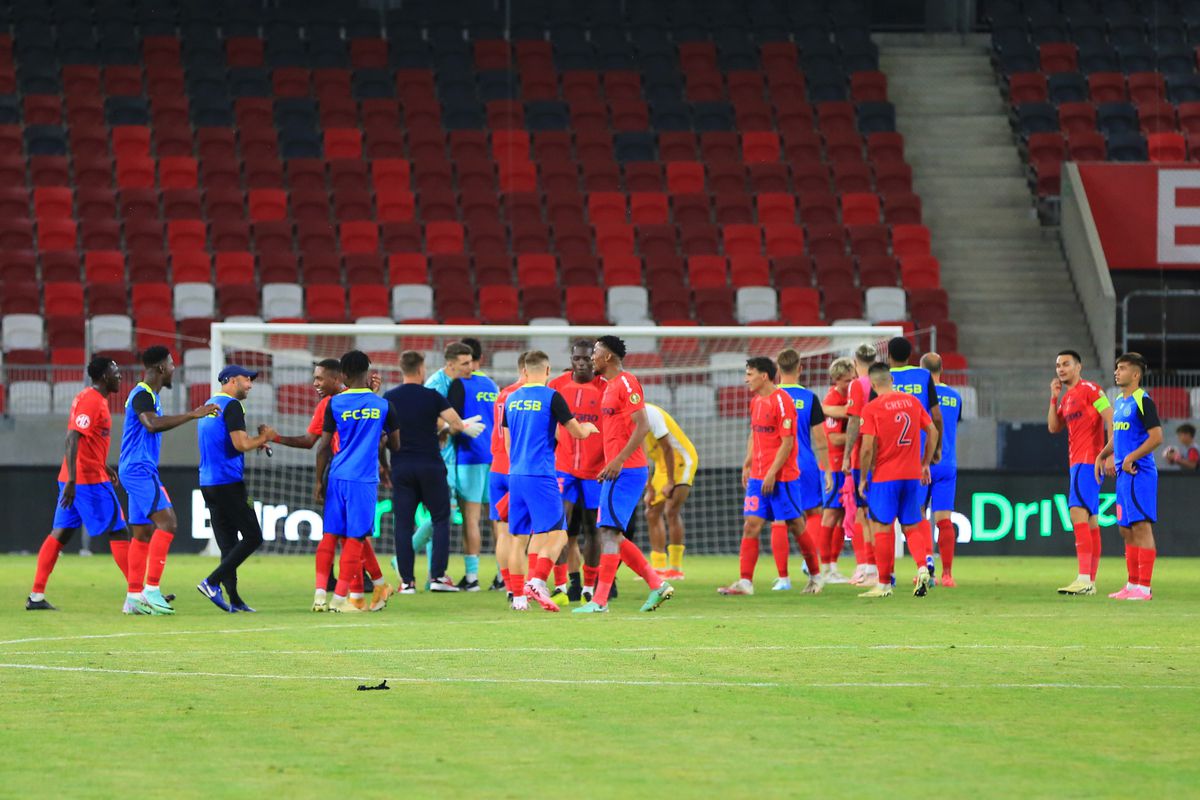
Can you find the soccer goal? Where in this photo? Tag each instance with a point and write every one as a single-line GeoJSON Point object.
{"type": "Point", "coordinates": [694, 373]}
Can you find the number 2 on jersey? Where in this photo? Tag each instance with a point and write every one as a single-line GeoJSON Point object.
{"type": "Point", "coordinates": [906, 421]}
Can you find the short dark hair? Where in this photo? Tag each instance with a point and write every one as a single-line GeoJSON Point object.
{"type": "Point", "coordinates": [1187, 428]}
{"type": "Point", "coordinates": [331, 364]}
{"type": "Point", "coordinates": [581, 342]}
{"type": "Point", "coordinates": [98, 366]}
{"type": "Point", "coordinates": [1073, 354]}
{"type": "Point", "coordinates": [613, 344]}
{"type": "Point", "coordinates": [788, 360]}
{"type": "Point", "coordinates": [899, 349]}
{"type": "Point", "coordinates": [475, 345]}
{"type": "Point", "coordinates": [878, 368]}
{"type": "Point", "coordinates": [155, 355]}
{"type": "Point", "coordinates": [411, 361]}
{"type": "Point", "coordinates": [762, 364]}
{"type": "Point", "coordinates": [1137, 360]}
{"type": "Point", "coordinates": [456, 349]}
{"type": "Point", "coordinates": [355, 363]}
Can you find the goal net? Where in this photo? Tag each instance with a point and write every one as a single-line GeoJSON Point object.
{"type": "Point", "coordinates": [694, 373]}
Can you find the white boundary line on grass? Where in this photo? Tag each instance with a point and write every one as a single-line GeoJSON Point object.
{"type": "Point", "coordinates": [603, 682]}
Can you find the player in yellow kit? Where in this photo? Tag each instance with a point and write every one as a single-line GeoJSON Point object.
{"type": "Point", "coordinates": [675, 463]}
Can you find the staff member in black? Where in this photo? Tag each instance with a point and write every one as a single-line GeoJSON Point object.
{"type": "Point", "coordinates": [418, 472]}
{"type": "Point", "coordinates": [223, 442]}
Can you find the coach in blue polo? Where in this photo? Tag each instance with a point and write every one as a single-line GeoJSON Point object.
{"type": "Point", "coordinates": [223, 443]}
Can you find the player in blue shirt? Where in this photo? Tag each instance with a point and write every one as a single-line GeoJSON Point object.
{"type": "Point", "coordinates": [362, 421]}
{"type": "Point", "coordinates": [223, 444]}
{"type": "Point", "coordinates": [472, 396]}
{"type": "Point", "coordinates": [151, 517]}
{"type": "Point", "coordinates": [944, 474]}
{"type": "Point", "coordinates": [1137, 432]}
{"type": "Point", "coordinates": [532, 415]}
{"type": "Point", "coordinates": [811, 451]}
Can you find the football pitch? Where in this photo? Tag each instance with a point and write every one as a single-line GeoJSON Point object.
{"type": "Point", "coordinates": [999, 688]}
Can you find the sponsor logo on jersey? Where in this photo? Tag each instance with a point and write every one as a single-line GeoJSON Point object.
{"type": "Point", "coordinates": [362, 413]}
{"type": "Point", "coordinates": [83, 421]}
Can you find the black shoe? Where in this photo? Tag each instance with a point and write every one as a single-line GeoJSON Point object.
{"type": "Point", "coordinates": [575, 592]}
{"type": "Point", "coordinates": [170, 598]}
{"type": "Point", "coordinates": [497, 584]}
{"type": "Point", "coordinates": [465, 585]}
{"type": "Point", "coordinates": [368, 584]}
{"type": "Point", "coordinates": [39, 605]}
{"type": "Point", "coordinates": [612, 593]}
{"type": "Point", "coordinates": [331, 584]}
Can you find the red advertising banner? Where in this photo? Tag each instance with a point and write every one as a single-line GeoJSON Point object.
{"type": "Point", "coordinates": [1147, 215]}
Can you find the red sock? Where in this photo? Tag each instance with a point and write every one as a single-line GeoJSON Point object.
{"type": "Point", "coordinates": [780, 547]}
{"type": "Point", "coordinates": [137, 565]}
{"type": "Point", "coordinates": [1146, 556]}
{"type": "Point", "coordinates": [156, 557]}
{"type": "Point", "coordinates": [885, 555]}
{"type": "Point", "coordinates": [635, 559]}
{"type": "Point", "coordinates": [356, 581]}
{"type": "Point", "coordinates": [862, 549]}
{"type": "Point", "coordinates": [532, 566]}
{"type": "Point", "coordinates": [748, 558]}
{"type": "Point", "coordinates": [609, 562]}
{"type": "Point", "coordinates": [542, 569]}
{"type": "Point", "coordinates": [869, 550]}
{"type": "Point", "coordinates": [920, 542]}
{"type": "Point", "coordinates": [1131, 563]}
{"type": "Point", "coordinates": [828, 554]}
{"type": "Point", "coordinates": [371, 563]}
{"type": "Point", "coordinates": [504, 575]}
{"type": "Point", "coordinates": [326, 550]}
{"type": "Point", "coordinates": [807, 541]}
{"type": "Point", "coordinates": [560, 574]}
{"type": "Point", "coordinates": [946, 538]}
{"type": "Point", "coordinates": [516, 583]}
{"type": "Point", "coordinates": [47, 556]}
{"type": "Point", "coordinates": [120, 554]}
{"type": "Point", "coordinates": [1083, 547]}
{"type": "Point", "coordinates": [590, 575]}
{"type": "Point", "coordinates": [350, 565]}
{"type": "Point", "coordinates": [1095, 553]}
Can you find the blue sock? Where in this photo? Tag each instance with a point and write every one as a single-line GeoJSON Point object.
{"type": "Point", "coordinates": [429, 555]}
{"type": "Point", "coordinates": [472, 565]}
{"type": "Point", "coordinates": [423, 536]}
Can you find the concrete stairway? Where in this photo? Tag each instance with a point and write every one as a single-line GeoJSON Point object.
{"type": "Point", "coordinates": [1010, 290]}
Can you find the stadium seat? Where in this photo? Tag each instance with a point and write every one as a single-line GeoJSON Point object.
{"type": "Point", "coordinates": [756, 304]}
{"type": "Point", "coordinates": [1166, 147]}
{"type": "Point", "coordinates": [885, 303]}
{"type": "Point", "coordinates": [585, 305]}
{"type": "Point", "coordinates": [628, 305]}
{"type": "Point", "coordinates": [22, 331]}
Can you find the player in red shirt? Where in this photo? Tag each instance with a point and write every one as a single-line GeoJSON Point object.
{"type": "Point", "coordinates": [895, 473]}
{"type": "Point", "coordinates": [623, 478]}
{"type": "Point", "coordinates": [857, 397]}
{"type": "Point", "coordinates": [770, 473]}
{"type": "Point", "coordinates": [578, 462]}
{"type": "Point", "coordinates": [841, 373]}
{"type": "Point", "coordinates": [498, 486]}
{"type": "Point", "coordinates": [327, 380]}
{"type": "Point", "coordinates": [85, 481]}
{"type": "Point", "coordinates": [1084, 410]}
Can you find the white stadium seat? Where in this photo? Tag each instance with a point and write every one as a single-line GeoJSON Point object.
{"type": "Point", "coordinates": [63, 394]}
{"type": "Point", "coordinates": [504, 366]}
{"type": "Point", "coordinates": [757, 304]}
{"type": "Point", "coordinates": [412, 301]}
{"type": "Point", "coordinates": [886, 303]}
{"type": "Point", "coordinates": [728, 369]}
{"type": "Point", "coordinates": [660, 394]}
{"type": "Point", "coordinates": [553, 345]}
{"type": "Point", "coordinates": [694, 400]}
{"type": "Point", "coordinates": [628, 305]}
{"type": "Point", "coordinates": [282, 301]}
{"type": "Point", "coordinates": [197, 365]}
{"type": "Point", "coordinates": [1194, 396]}
{"type": "Point", "coordinates": [261, 401]}
{"type": "Point", "coordinates": [194, 300]}
{"type": "Point", "coordinates": [22, 332]}
{"type": "Point", "coordinates": [111, 332]}
{"type": "Point", "coordinates": [248, 341]}
{"type": "Point", "coordinates": [845, 323]}
{"type": "Point", "coordinates": [292, 366]}
{"type": "Point", "coordinates": [970, 401]}
{"type": "Point", "coordinates": [28, 398]}
{"type": "Point", "coordinates": [369, 342]}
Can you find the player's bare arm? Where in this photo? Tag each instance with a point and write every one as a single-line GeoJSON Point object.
{"type": "Point", "coordinates": [746, 463]}
{"type": "Point", "coordinates": [936, 416]}
{"type": "Point", "coordinates": [303, 442]}
{"type": "Point", "coordinates": [1053, 422]}
{"type": "Point", "coordinates": [1154, 437]}
{"type": "Point", "coordinates": [580, 430]}
{"type": "Point", "coordinates": [821, 451]}
{"type": "Point", "coordinates": [933, 447]}
{"type": "Point", "coordinates": [837, 412]}
{"type": "Point", "coordinates": [156, 424]}
{"type": "Point", "coordinates": [243, 442]}
{"type": "Point", "coordinates": [641, 425]}
{"type": "Point", "coordinates": [68, 492]}
{"type": "Point", "coordinates": [668, 452]}
{"type": "Point", "coordinates": [324, 453]}
{"type": "Point", "coordinates": [851, 437]}
{"type": "Point", "coordinates": [786, 445]}
{"type": "Point", "coordinates": [866, 460]}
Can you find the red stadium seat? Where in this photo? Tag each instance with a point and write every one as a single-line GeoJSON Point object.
{"type": "Point", "coordinates": [585, 305]}
{"type": "Point", "coordinates": [902, 208]}
{"type": "Point", "coordinates": [1166, 147]}
{"type": "Point", "coordinates": [776, 208]}
{"type": "Point", "coordinates": [56, 234]}
{"type": "Point", "coordinates": [238, 300]}
{"type": "Point", "coordinates": [685, 177]}
{"type": "Point", "coordinates": [860, 209]}
{"type": "Point", "coordinates": [1058, 57]}
{"type": "Point", "coordinates": [1027, 87]}
{"type": "Point", "coordinates": [537, 269]}
{"type": "Point", "coordinates": [706, 272]}
{"type": "Point", "coordinates": [648, 208]}
{"type": "Point", "coordinates": [499, 305]}
{"type": "Point", "coordinates": [910, 240]}
{"type": "Point", "coordinates": [325, 303]}
{"type": "Point", "coordinates": [63, 299]}
{"type": "Point", "coordinates": [749, 270]}
{"type": "Point", "coordinates": [150, 299]}
{"type": "Point", "coordinates": [444, 237]}
{"type": "Point", "coordinates": [234, 268]}
{"type": "Point", "coordinates": [742, 240]}
{"type": "Point", "coordinates": [368, 300]}
{"type": "Point", "coordinates": [784, 239]}
{"type": "Point", "coordinates": [760, 147]}
{"type": "Point", "coordinates": [622, 269]}
{"type": "Point", "coordinates": [920, 272]}
{"type": "Point", "coordinates": [52, 202]}
{"type": "Point", "coordinates": [104, 266]}
{"type": "Point", "coordinates": [790, 271]}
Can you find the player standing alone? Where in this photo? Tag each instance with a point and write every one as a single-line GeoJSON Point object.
{"type": "Point", "coordinates": [944, 474]}
{"type": "Point", "coordinates": [85, 482]}
{"type": "Point", "coordinates": [675, 463]}
{"type": "Point", "coordinates": [151, 516]}
{"type": "Point", "coordinates": [1087, 415]}
{"type": "Point", "coordinates": [1136, 433]}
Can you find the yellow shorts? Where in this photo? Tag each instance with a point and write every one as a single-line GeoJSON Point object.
{"type": "Point", "coordinates": [685, 472]}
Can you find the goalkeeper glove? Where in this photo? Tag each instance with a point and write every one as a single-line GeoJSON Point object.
{"type": "Point", "coordinates": [473, 426]}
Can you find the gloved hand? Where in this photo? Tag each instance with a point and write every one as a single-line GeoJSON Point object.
{"type": "Point", "coordinates": [474, 426]}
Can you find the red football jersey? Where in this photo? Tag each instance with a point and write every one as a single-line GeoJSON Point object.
{"type": "Point", "coordinates": [622, 397]}
{"type": "Point", "coordinates": [833, 425]}
{"type": "Point", "coordinates": [91, 418]}
{"type": "Point", "coordinates": [583, 458]}
{"type": "Point", "coordinates": [772, 419]}
{"type": "Point", "coordinates": [895, 420]}
{"type": "Point", "coordinates": [316, 425]}
{"type": "Point", "coordinates": [860, 394]}
{"type": "Point", "coordinates": [499, 454]}
{"type": "Point", "coordinates": [1079, 408]}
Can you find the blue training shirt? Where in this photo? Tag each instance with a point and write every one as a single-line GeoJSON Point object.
{"type": "Point", "coordinates": [951, 402]}
{"type": "Point", "coordinates": [808, 413]}
{"type": "Point", "coordinates": [918, 382]}
{"type": "Point", "coordinates": [532, 415]}
{"type": "Point", "coordinates": [1133, 417]}
{"type": "Point", "coordinates": [360, 418]}
{"type": "Point", "coordinates": [140, 448]}
{"type": "Point", "coordinates": [220, 461]}
{"type": "Point", "coordinates": [471, 396]}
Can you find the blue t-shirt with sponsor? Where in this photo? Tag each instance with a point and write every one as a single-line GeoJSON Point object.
{"type": "Point", "coordinates": [808, 413]}
{"type": "Point", "coordinates": [474, 395]}
{"type": "Point", "coordinates": [140, 448]}
{"type": "Point", "coordinates": [951, 402]}
{"type": "Point", "coordinates": [220, 461]}
{"type": "Point", "coordinates": [532, 415]}
{"type": "Point", "coordinates": [360, 418]}
{"type": "Point", "coordinates": [1133, 417]}
{"type": "Point", "coordinates": [918, 382]}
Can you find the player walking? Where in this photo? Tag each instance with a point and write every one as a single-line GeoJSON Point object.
{"type": "Point", "coordinates": [85, 482]}
{"type": "Point", "coordinates": [895, 472]}
{"type": "Point", "coordinates": [841, 373]}
{"type": "Point", "coordinates": [1137, 432]}
{"type": "Point", "coordinates": [675, 463]}
{"type": "Point", "coordinates": [770, 473]}
{"type": "Point", "coordinates": [623, 478]}
{"type": "Point", "coordinates": [1083, 409]}
{"type": "Point", "coordinates": [810, 452]}
{"type": "Point", "coordinates": [223, 444]}
{"type": "Point", "coordinates": [532, 415]}
{"type": "Point", "coordinates": [151, 516]}
{"type": "Point", "coordinates": [472, 396]}
{"type": "Point", "coordinates": [944, 474]}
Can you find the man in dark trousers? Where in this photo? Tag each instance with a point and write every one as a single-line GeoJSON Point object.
{"type": "Point", "coordinates": [223, 444]}
{"type": "Point", "coordinates": [418, 472]}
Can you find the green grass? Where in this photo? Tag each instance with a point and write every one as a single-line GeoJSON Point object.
{"type": "Point", "coordinates": [1010, 690]}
